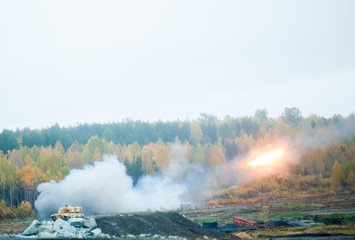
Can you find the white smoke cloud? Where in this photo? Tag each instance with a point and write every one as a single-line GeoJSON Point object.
{"type": "Point", "coordinates": [106, 188]}
{"type": "Point", "coordinates": [202, 182]}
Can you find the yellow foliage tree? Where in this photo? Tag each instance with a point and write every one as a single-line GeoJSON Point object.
{"type": "Point", "coordinates": [216, 156]}
{"type": "Point", "coordinates": [74, 159]}
{"type": "Point", "coordinates": [59, 147]}
{"type": "Point", "coordinates": [335, 179]}
{"type": "Point", "coordinates": [196, 133]}
{"type": "Point", "coordinates": [24, 210]}
{"type": "Point", "coordinates": [5, 211]}
{"type": "Point", "coordinates": [148, 166]}
{"type": "Point", "coordinates": [245, 142]}
{"type": "Point", "coordinates": [161, 156]}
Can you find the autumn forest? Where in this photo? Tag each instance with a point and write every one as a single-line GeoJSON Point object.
{"type": "Point", "coordinates": [29, 157]}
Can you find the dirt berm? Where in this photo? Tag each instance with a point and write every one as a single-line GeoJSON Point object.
{"type": "Point", "coordinates": [160, 223]}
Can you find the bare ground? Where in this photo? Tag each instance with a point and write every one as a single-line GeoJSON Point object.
{"type": "Point", "coordinates": [13, 227]}
{"type": "Point", "coordinates": [159, 223]}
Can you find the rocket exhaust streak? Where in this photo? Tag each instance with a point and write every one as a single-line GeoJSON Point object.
{"type": "Point", "coordinates": [267, 158]}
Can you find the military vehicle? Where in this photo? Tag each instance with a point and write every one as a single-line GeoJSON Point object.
{"type": "Point", "coordinates": [68, 212]}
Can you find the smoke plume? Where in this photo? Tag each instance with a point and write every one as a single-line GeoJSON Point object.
{"type": "Point", "coordinates": [106, 188]}
{"type": "Point", "coordinates": [342, 130]}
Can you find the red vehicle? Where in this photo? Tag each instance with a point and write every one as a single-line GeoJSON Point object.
{"type": "Point", "coordinates": [242, 222]}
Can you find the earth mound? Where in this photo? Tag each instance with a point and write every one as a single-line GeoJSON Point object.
{"type": "Point", "coordinates": [159, 223]}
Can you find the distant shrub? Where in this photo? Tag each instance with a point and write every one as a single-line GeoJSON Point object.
{"type": "Point", "coordinates": [24, 210]}
{"type": "Point", "coordinates": [5, 211]}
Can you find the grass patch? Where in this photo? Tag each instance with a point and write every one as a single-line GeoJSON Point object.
{"type": "Point", "coordinates": [335, 218]}
{"type": "Point", "coordinates": [233, 211]}
{"type": "Point", "coordinates": [284, 231]}
{"type": "Point", "coordinates": [301, 205]}
{"type": "Point", "coordinates": [327, 219]}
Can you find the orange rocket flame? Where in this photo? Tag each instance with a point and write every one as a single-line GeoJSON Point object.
{"type": "Point", "coordinates": [267, 158]}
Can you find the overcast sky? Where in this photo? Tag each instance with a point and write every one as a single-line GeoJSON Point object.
{"type": "Point", "coordinates": [72, 62]}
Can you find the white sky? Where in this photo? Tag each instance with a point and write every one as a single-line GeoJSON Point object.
{"type": "Point", "coordinates": [98, 61]}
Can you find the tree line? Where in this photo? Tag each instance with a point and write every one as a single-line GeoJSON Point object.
{"type": "Point", "coordinates": [207, 129]}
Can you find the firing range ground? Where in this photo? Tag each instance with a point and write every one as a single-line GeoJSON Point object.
{"type": "Point", "coordinates": [159, 223]}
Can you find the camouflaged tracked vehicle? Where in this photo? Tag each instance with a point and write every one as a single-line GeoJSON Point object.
{"type": "Point", "coordinates": [68, 212]}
